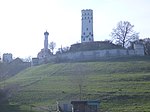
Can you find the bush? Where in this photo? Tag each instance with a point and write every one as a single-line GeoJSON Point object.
{"type": "Point", "coordinates": [4, 103]}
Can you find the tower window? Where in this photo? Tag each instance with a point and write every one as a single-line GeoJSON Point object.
{"type": "Point", "coordinates": [83, 39]}
{"type": "Point", "coordinates": [89, 33]}
{"type": "Point", "coordinates": [85, 17]}
{"type": "Point", "coordinates": [91, 18]}
{"type": "Point", "coordinates": [89, 39]}
{"type": "Point", "coordinates": [89, 21]}
{"type": "Point", "coordinates": [84, 33]}
{"type": "Point", "coordinates": [87, 29]}
{"type": "Point", "coordinates": [88, 17]}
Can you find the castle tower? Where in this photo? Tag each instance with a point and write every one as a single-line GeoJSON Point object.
{"type": "Point", "coordinates": [46, 41]}
{"type": "Point", "coordinates": [87, 26]}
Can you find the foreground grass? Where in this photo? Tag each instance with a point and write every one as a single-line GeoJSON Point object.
{"type": "Point", "coordinates": [120, 86]}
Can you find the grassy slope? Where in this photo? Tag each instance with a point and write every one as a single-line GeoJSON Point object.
{"type": "Point", "coordinates": [121, 86]}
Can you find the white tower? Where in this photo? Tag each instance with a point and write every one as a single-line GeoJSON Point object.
{"type": "Point", "coordinates": [87, 26]}
{"type": "Point", "coordinates": [46, 41]}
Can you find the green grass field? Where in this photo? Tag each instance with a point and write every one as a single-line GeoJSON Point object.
{"type": "Point", "coordinates": [121, 85]}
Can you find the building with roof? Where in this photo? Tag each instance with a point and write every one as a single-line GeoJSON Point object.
{"type": "Point", "coordinates": [86, 106]}
{"type": "Point", "coordinates": [45, 52]}
{"type": "Point", "coordinates": [7, 57]}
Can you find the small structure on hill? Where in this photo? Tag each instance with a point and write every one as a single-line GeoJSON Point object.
{"type": "Point", "coordinates": [45, 52]}
{"type": "Point", "coordinates": [35, 61]}
{"type": "Point", "coordinates": [64, 107]}
{"type": "Point", "coordinates": [86, 106]}
{"type": "Point", "coordinates": [7, 57]}
{"type": "Point", "coordinates": [139, 48]}
{"type": "Point", "coordinates": [79, 106]}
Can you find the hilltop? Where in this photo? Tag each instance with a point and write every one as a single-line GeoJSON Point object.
{"type": "Point", "coordinates": [120, 84]}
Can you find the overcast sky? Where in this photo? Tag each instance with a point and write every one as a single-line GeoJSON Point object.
{"type": "Point", "coordinates": [23, 22]}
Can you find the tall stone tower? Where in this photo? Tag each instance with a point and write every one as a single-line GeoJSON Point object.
{"type": "Point", "coordinates": [87, 26]}
{"type": "Point", "coordinates": [46, 41]}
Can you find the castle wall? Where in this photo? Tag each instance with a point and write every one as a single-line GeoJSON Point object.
{"type": "Point", "coordinates": [131, 52]}
{"type": "Point", "coordinates": [139, 49]}
{"type": "Point", "coordinates": [93, 55]}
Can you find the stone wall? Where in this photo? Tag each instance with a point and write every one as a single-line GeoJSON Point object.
{"type": "Point", "coordinates": [93, 55]}
{"type": "Point", "coordinates": [139, 49]}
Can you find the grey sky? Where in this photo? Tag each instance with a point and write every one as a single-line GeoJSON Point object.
{"type": "Point", "coordinates": [23, 22]}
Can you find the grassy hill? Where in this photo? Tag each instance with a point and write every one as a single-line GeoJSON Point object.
{"type": "Point", "coordinates": [10, 69]}
{"type": "Point", "coordinates": [122, 85]}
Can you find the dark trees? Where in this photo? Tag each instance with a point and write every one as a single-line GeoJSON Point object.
{"type": "Point", "coordinates": [123, 34]}
{"type": "Point", "coordinates": [4, 103]}
{"type": "Point", "coordinates": [146, 43]}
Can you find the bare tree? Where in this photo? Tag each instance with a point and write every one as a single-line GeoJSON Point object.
{"type": "Point", "coordinates": [52, 46]}
{"type": "Point", "coordinates": [123, 34]}
{"type": "Point", "coordinates": [65, 49]}
{"type": "Point", "coordinates": [28, 59]}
